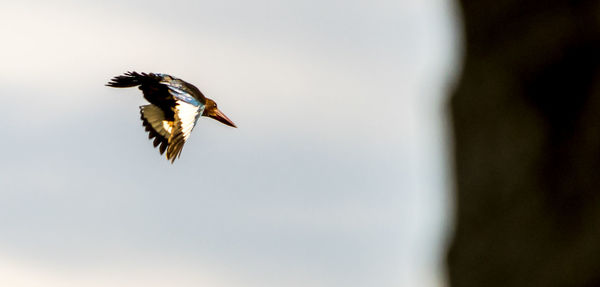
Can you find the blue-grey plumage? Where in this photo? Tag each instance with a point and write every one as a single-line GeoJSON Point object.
{"type": "Point", "coordinates": [175, 106]}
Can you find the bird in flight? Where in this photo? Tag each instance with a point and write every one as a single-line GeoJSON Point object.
{"type": "Point", "coordinates": [175, 106]}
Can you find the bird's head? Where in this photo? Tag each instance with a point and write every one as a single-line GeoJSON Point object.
{"type": "Point", "coordinates": [211, 110]}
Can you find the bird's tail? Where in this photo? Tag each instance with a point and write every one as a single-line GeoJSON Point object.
{"type": "Point", "coordinates": [127, 80]}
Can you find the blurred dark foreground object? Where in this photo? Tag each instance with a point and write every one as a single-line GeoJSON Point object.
{"type": "Point", "coordinates": [526, 124]}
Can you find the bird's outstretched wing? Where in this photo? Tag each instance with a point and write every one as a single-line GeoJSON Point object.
{"type": "Point", "coordinates": [186, 116]}
{"type": "Point", "coordinates": [175, 107]}
{"type": "Point", "coordinates": [157, 126]}
{"type": "Point", "coordinates": [155, 92]}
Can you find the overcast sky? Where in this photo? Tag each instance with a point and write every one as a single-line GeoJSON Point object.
{"type": "Point", "coordinates": [335, 177]}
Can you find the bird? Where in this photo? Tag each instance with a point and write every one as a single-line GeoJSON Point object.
{"type": "Point", "coordinates": [175, 106]}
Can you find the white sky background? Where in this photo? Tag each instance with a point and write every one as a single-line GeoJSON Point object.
{"type": "Point", "coordinates": [335, 176]}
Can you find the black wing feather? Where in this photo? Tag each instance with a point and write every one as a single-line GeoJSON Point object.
{"type": "Point", "coordinates": [158, 139]}
{"type": "Point", "coordinates": [154, 91]}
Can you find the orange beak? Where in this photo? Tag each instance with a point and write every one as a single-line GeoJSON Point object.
{"type": "Point", "coordinates": [219, 116]}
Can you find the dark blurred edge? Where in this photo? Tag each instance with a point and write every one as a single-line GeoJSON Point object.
{"type": "Point", "coordinates": [526, 127]}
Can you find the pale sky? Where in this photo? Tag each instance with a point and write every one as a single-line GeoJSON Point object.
{"type": "Point", "coordinates": [335, 177]}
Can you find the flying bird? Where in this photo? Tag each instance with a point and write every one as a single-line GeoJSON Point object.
{"type": "Point", "coordinates": [175, 106]}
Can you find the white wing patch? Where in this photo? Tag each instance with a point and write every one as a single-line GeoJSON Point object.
{"type": "Point", "coordinates": [156, 118]}
{"type": "Point", "coordinates": [168, 126]}
{"type": "Point", "coordinates": [187, 115]}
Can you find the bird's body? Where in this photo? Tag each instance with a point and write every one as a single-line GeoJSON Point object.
{"type": "Point", "coordinates": [175, 106]}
